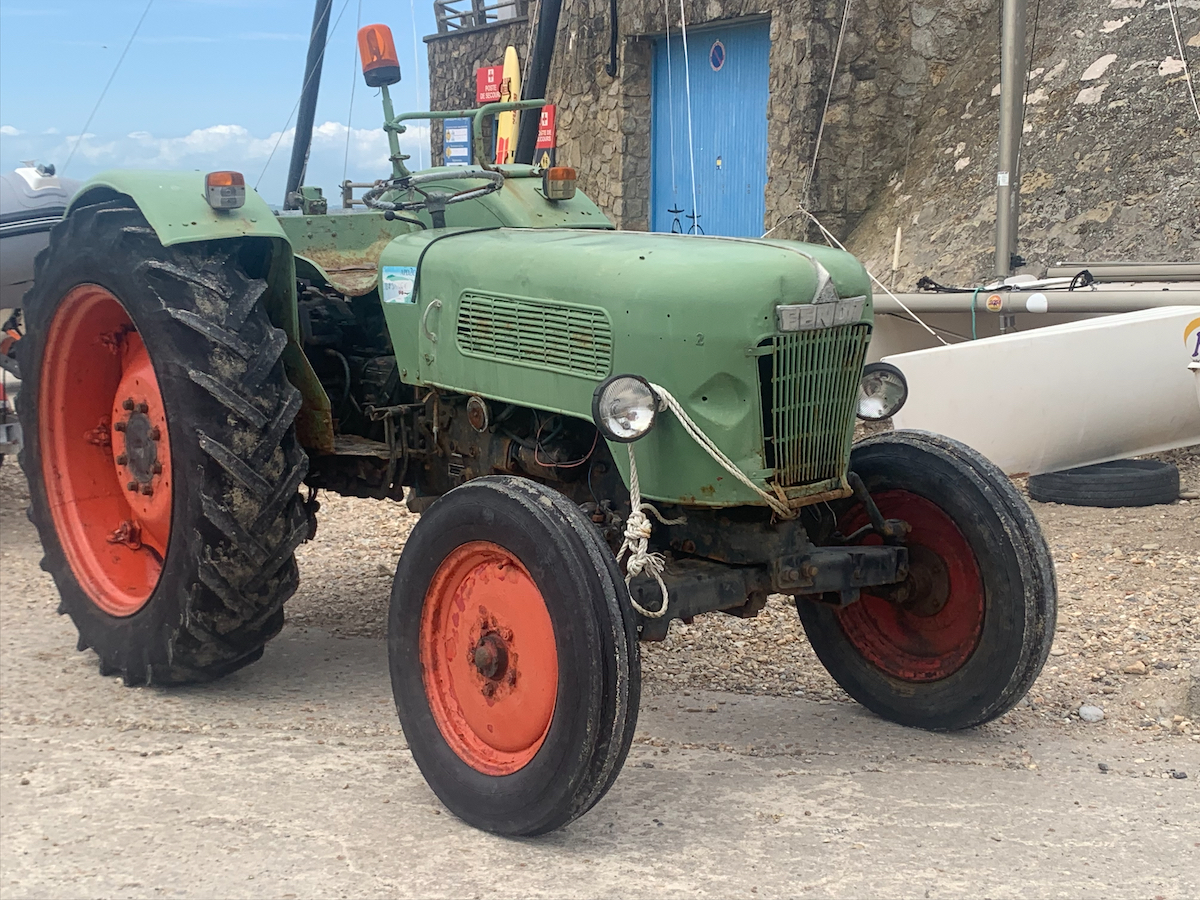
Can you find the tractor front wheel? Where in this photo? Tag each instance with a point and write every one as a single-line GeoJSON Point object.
{"type": "Point", "coordinates": [514, 658]}
{"type": "Point", "coordinates": [962, 639]}
{"type": "Point", "coordinates": [159, 447]}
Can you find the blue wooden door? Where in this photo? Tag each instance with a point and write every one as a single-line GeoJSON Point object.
{"type": "Point", "coordinates": [729, 70]}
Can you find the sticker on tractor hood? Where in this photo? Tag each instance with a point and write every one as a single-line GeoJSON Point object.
{"type": "Point", "coordinates": [810, 316]}
{"type": "Point", "coordinates": [398, 284]}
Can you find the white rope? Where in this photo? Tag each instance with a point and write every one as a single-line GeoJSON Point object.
{"type": "Point", "coordinates": [421, 146]}
{"type": "Point", "coordinates": [671, 104]}
{"type": "Point", "coordinates": [1182, 58]}
{"type": "Point", "coordinates": [687, 81]}
{"type": "Point", "coordinates": [304, 87]}
{"type": "Point", "coordinates": [534, 13]}
{"type": "Point", "coordinates": [829, 236]}
{"type": "Point", "coordinates": [837, 52]}
{"type": "Point", "coordinates": [353, 83]}
{"type": "Point", "coordinates": [636, 542]}
{"type": "Point", "coordinates": [778, 506]}
{"type": "Point", "coordinates": [637, 527]}
{"type": "Point", "coordinates": [104, 90]}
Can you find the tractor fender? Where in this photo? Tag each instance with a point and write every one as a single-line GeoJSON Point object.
{"type": "Point", "coordinates": [175, 207]}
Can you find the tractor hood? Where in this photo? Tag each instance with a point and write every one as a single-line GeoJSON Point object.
{"type": "Point", "coordinates": [540, 318]}
{"type": "Point", "coordinates": [628, 268]}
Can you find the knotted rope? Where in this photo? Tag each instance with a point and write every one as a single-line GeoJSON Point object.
{"type": "Point", "coordinates": [638, 529]}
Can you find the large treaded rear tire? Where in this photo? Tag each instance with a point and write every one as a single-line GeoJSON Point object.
{"type": "Point", "coordinates": [237, 516]}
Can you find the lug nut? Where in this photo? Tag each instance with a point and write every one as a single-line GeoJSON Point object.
{"type": "Point", "coordinates": [147, 490]}
{"type": "Point", "coordinates": [122, 459]}
{"type": "Point", "coordinates": [133, 486]}
{"type": "Point", "coordinates": [155, 433]}
{"type": "Point", "coordinates": [128, 403]}
{"type": "Point", "coordinates": [156, 468]}
{"type": "Point", "coordinates": [118, 426]}
{"type": "Point", "coordinates": [143, 408]}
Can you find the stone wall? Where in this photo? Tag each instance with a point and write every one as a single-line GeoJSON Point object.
{"type": "Point", "coordinates": [1110, 158]}
{"type": "Point", "coordinates": [910, 129]}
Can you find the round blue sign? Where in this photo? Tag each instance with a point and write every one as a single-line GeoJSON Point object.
{"type": "Point", "coordinates": [716, 56]}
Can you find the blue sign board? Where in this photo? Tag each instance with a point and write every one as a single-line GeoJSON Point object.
{"type": "Point", "coordinates": [456, 142]}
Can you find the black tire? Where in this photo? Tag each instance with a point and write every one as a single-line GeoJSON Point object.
{"type": "Point", "coordinates": [1015, 590]}
{"type": "Point", "coordinates": [236, 514]}
{"type": "Point", "coordinates": [595, 633]}
{"type": "Point", "coordinates": [1123, 482]}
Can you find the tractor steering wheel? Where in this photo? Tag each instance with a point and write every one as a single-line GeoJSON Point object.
{"type": "Point", "coordinates": [432, 201]}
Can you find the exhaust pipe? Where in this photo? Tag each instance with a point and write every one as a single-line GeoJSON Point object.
{"type": "Point", "coordinates": [308, 104]}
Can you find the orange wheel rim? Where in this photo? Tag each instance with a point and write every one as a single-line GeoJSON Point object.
{"type": "Point", "coordinates": [106, 454]}
{"type": "Point", "coordinates": [489, 661]}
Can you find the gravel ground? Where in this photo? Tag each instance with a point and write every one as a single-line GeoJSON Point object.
{"type": "Point", "coordinates": [1128, 630]}
{"type": "Point", "coordinates": [1129, 596]}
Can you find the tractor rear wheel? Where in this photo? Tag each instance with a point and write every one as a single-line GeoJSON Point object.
{"type": "Point", "coordinates": [514, 656]}
{"type": "Point", "coordinates": [963, 638]}
{"type": "Point", "coordinates": [159, 448]}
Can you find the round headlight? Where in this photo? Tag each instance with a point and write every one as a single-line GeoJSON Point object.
{"type": "Point", "coordinates": [624, 407]}
{"type": "Point", "coordinates": [881, 392]}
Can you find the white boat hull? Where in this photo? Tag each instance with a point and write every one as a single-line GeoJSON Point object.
{"type": "Point", "coordinates": [1065, 395]}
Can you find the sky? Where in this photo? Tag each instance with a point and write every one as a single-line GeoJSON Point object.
{"type": "Point", "coordinates": [206, 84]}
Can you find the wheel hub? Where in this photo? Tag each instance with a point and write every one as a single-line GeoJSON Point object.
{"type": "Point", "coordinates": [926, 590]}
{"type": "Point", "coordinates": [140, 458]}
{"type": "Point", "coordinates": [491, 656]}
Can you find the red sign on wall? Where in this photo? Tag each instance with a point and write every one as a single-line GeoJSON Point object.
{"type": "Point", "coordinates": [487, 84]}
{"type": "Point", "coordinates": [547, 132]}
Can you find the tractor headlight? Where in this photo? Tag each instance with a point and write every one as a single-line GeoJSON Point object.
{"type": "Point", "coordinates": [881, 392]}
{"type": "Point", "coordinates": [624, 407]}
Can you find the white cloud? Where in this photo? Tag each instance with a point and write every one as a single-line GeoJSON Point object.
{"type": "Point", "coordinates": [225, 146]}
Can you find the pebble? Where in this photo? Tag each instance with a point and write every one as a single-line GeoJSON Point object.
{"type": "Point", "coordinates": [1091, 713]}
{"type": "Point", "coordinates": [1103, 767]}
{"type": "Point", "coordinates": [358, 542]}
{"type": "Point", "coordinates": [1135, 668]}
{"type": "Point", "coordinates": [1178, 773]}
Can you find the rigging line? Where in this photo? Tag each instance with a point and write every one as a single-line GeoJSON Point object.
{"type": "Point", "coordinates": [1016, 175]}
{"type": "Point", "coordinates": [837, 52]}
{"type": "Point", "coordinates": [830, 237]}
{"type": "Point", "coordinates": [534, 12]}
{"type": "Point", "coordinates": [687, 80]}
{"type": "Point", "coordinates": [107, 84]}
{"type": "Point", "coordinates": [1187, 75]}
{"type": "Point", "coordinates": [412, 8]}
{"type": "Point", "coordinates": [303, 88]}
{"type": "Point", "coordinates": [670, 100]}
{"type": "Point", "coordinates": [353, 84]}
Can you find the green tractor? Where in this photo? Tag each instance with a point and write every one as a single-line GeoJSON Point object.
{"type": "Point", "coordinates": [603, 431]}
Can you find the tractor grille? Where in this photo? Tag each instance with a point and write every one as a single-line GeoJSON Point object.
{"type": "Point", "coordinates": [809, 382]}
{"type": "Point", "coordinates": [573, 339]}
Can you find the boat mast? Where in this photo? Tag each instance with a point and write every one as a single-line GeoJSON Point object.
{"type": "Point", "coordinates": [1012, 101]}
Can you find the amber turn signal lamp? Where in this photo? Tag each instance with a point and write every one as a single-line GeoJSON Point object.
{"type": "Point", "coordinates": [380, 64]}
{"type": "Point", "coordinates": [225, 190]}
{"type": "Point", "coordinates": [558, 183]}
